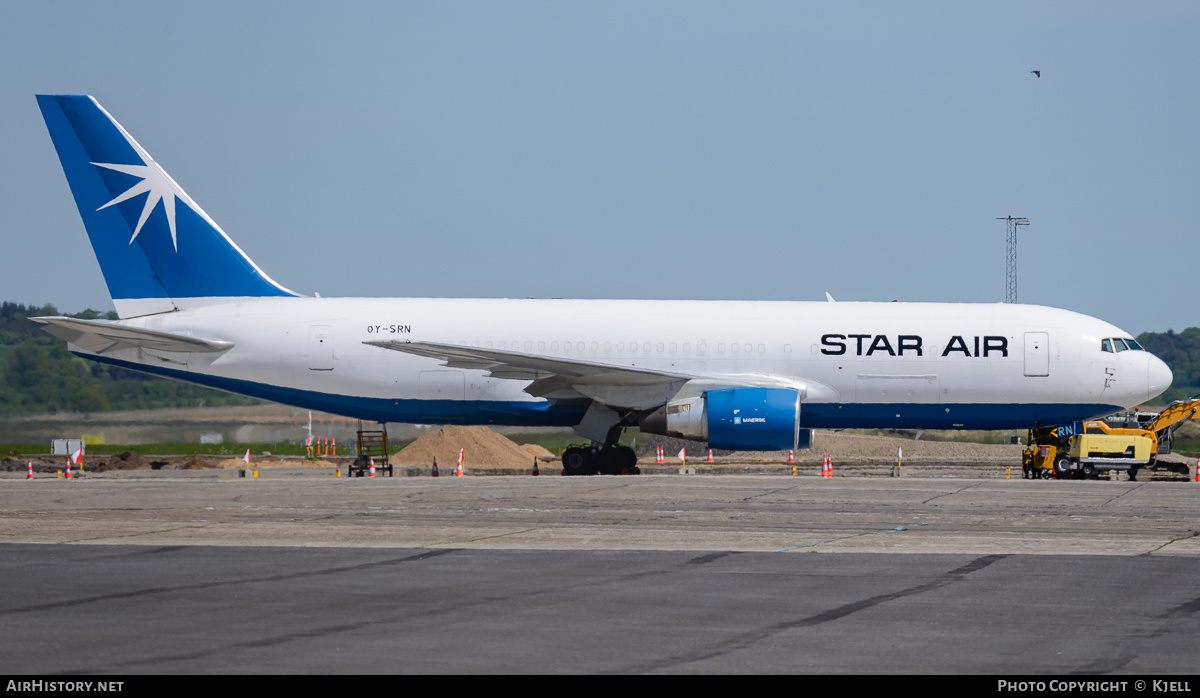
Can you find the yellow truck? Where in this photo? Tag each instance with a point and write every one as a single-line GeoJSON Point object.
{"type": "Point", "coordinates": [1129, 442]}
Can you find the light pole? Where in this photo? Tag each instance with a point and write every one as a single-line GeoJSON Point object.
{"type": "Point", "coordinates": [1010, 279]}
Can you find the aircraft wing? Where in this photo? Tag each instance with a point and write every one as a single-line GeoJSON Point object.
{"type": "Point", "coordinates": [556, 378]}
{"type": "Point", "coordinates": [98, 336]}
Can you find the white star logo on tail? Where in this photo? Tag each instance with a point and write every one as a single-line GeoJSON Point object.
{"type": "Point", "coordinates": [157, 185]}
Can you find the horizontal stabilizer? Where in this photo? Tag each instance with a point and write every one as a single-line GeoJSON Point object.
{"type": "Point", "coordinates": [98, 336]}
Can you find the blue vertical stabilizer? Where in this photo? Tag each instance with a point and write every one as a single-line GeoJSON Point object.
{"type": "Point", "coordinates": [155, 245]}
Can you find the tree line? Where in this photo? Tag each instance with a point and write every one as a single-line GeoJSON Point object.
{"type": "Point", "coordinates": [38, 375]}
{"type": "Point", "coordinates": [1180, 351]}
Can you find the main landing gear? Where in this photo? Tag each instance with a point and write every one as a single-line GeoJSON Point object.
{"type": "Point", "coordinates": [610, 458]}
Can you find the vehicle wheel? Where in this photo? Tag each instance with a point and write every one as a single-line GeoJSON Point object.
{"type": "Point", "coordinates": [1133, 474]}
{"type": "Point", "coordinates": [1089, 471]}
{"type": "Point", "coordinates": [1025, 471]}
{"type": "Point", "coordinates": [578, 461]}
{"type": "Point", "coordinates": [1062, 466]}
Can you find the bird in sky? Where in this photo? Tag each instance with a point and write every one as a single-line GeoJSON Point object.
{"type": "Point", "coordinates": [1037, 73]}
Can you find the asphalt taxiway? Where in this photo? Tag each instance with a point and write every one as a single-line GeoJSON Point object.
{"type": "Point", "coordinates": [605, 574]}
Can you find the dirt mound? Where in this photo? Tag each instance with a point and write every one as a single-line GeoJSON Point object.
{"type": "Point", "coordinates": [199, 463]}
{"type": "Point", "coordinates": [537, 450]}
{"type": "Point", "coordinates": [482, 448]}
{"type": "Point", "coordinates": [843, 446]}
{"type": "Point", "coordinates": [274, 462]}
{"type": "Point", "coordinates": [128, 460]}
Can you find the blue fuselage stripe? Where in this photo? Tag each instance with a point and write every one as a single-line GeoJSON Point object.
{"type": "Point", "coordinates": [543, 413]}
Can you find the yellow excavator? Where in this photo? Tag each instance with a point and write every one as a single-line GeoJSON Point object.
{"type": "Point", "coordinates": [1129, 441]}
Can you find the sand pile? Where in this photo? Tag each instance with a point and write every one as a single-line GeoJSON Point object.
{"type": "Point", "coordinates": [128, 460]}
{"type": "Point", "coordinates": [482, 448]}
{"type": "Point", "coordinates": [850, 447]}
{"type": "Point", "coordinates": [199, 463]}
{"type": "Point", "coordinates": [537, 451]}
{"type": "Point", "coordinates": [274, 462]}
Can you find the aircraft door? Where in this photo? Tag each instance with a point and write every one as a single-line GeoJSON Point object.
{"type": "Point", "coordinates": [1037, 354]}
{"type": "Point", "coordinates": [895, 388]}
{"type": "Point", "coordinates": [320, 348]}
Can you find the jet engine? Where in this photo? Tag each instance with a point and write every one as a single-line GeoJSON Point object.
{"type": "Point", "coordinates": [736, 419]}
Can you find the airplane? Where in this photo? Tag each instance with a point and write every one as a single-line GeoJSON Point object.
{"type": "Point", "coordinates": [740, 375]}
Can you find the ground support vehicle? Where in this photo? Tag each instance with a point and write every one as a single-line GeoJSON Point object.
{"type": "Point", "coordinates": [1130, 441]}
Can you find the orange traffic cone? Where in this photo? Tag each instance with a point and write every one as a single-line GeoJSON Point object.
{"type": "Point", "coordinates": [458, 471]}
{"type": "Point", "coordinates": [1197, 470]}
{"type": "Point", "coordinates": [710, 458]}
{"type": "Point", "coordinates": [333, 450]}
{"type": "Point", "coordinates": [535, 468]}
{"type": "Point", "coordinates": [372, 461]}
{"type": "Point", "coordinates": [791, 456]}
{"type": "Point", "coordinates": [435, 472]}
{"type": "Point", "coordinates": [30, 475]}
{"type": "Point", "coordinates": [827, 466]}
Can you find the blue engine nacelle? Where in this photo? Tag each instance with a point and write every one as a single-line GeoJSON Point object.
{"type": "Point", "coordinates": [735, 419]}
{"type": "Point", "coordinates": [753, 419]}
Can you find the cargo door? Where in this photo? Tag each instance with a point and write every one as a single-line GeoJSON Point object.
{"type": "Point", "coordinates": [883, 388]}
{"type": "Point", "coordinates": [1037, 354]}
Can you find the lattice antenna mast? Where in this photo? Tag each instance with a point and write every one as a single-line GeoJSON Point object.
{"type": "Point", "coordinates": [1010, 275]}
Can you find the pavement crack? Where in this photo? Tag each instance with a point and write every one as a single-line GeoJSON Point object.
{"type": "Point", "coordinates": [773, 490]}
{"type": "Point", "coordinates": [814, 544]}
{"type": "Point", "coordinates": [705, 559]}
{"type": "Point", "coordinates": [1176, 539]}
{"type": "Point", "coordinates": [1135, 488]}
{"type": "Point", "coordinates": [947, 494]}
{"type": "Point", "coordinates": [752, 637]}
{"type": "Point", "coordinates": [100, 598]}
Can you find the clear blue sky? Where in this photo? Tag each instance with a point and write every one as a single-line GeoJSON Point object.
{"type": "Point", "coordinates": [761, 150]}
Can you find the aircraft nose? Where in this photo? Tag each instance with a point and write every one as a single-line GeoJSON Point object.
{"type": "Point", "coordinates": [1158, 377]}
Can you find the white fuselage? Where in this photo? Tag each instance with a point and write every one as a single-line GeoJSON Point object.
{"type": "Point", "coordinates": [879, 365]}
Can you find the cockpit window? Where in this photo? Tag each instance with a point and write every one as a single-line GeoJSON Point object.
{"type": "Point", "coordinates": [1118, 344]}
